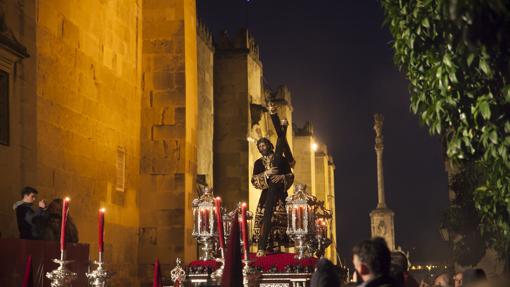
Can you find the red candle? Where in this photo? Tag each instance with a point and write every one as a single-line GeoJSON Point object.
{"type": "Point", "coordinates": [65, 211]}
{"type": "Point", "coordinates": [202, 219]}
{"type": "Point", "coordinates": [206, 213]}
{"type": "Point", "coordinates": [244, 230]}
{"type": "Point", "coordinates": [219, 221]}
{"type": "Point", "coordinates": [300, 216]}
{"type": "Point", "coordinates": [100, 222]}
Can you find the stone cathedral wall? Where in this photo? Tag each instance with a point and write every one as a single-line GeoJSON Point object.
{"type": "Point", "coordinates": [105, 111]}
{"type": "Point", "coordinates": [168, 133]}
{"type": "Point", "coordinates": [125, 105]}
{"type": "Point", "coordinates": [88, 108]}
{"type": "Point", "coordinates": [205, 52]}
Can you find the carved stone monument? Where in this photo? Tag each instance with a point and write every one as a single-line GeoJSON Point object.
{"type": "Point", "coordinates": [381, 218]}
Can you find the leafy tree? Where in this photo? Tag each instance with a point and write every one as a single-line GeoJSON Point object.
{"type": "Point", "coordinates": [456, 55]}
{"type": "Point", "coordinates": [461, 219]}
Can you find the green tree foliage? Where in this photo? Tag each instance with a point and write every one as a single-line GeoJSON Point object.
{"type": "Point", "coordinates": [456, 55]}
{"type": "Point", "coordinates": [461, 219]}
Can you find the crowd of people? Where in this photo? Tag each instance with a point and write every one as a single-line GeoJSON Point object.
{"type": "Point", "coordinates": [44, 221]}
{"type": "Point", "coordinates": [376, 266]}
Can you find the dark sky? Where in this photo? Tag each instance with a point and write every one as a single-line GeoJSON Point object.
{"type": "Point", "coordinates": [336, 59]}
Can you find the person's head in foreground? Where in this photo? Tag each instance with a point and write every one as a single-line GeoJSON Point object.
{"type": "Point", "coordinates": [372, 261]}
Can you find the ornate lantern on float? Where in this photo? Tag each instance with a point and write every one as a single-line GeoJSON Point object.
{"type": "Point", "coordinates": [301, 220]}
{"type": "Point", "coordinates": [227, 221]}
{"type": "Point", "coordinates": [204, 223]}
{"type": "Point", "coordinates": [323, 217]}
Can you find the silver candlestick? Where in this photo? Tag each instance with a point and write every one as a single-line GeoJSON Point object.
{"type": "Point", "coordinates": [218, 273]}
{"type": "Point", "coordinates": [178, 275]}
{"type": "Point", "coordinates": [248, 273]}
{"type": "Point", "coordinates": [61, 277]}
{"type": "Point", "coordinates": [98, 277]}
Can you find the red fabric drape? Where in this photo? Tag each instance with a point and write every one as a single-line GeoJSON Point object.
{"type": "Point", "coordinates": [232, 274]}
{"type": "Point", "coordinates": [156, 282]}
{"type": "Point", "coordinates": [28, 280]}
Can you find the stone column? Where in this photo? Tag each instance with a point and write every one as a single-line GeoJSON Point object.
{"type": "Point", "coordinates": [379, 146]}
{"type": "Point", "coordinates": [382, 218]}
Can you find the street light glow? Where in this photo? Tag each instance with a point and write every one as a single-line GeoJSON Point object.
{"type": "Point", "coordinates": [314, 147]}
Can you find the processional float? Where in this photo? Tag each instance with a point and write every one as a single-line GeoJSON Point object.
{"type": "Point", "coordinates": [307, 224]}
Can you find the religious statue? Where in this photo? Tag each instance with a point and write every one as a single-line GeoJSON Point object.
{"type": "Point", "coordinates": [273, 175]}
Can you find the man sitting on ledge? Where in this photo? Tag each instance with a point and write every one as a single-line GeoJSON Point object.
{"type": "Point", "coordinates": [26, 216]}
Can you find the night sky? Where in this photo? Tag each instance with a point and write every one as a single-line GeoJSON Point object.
{"type": "Point", "coordinates": [335, 57]}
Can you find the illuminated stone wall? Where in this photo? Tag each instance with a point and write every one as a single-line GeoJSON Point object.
{"type": "Point", "coordinates": [330, 204]}
{"type": "Point", "coordinates": [237, 83]}
{"type": "Point", "coordinates": [105, 111]}
{"type": "Point", "coordinates": [88, 106]}
{"type": "Point", "coordinates": [205, 135]}
{"type": "Point", "coordinates": [325, 191]}
{"type": "Point", "coordinates": [304, 170]}
{"type": "Point", "coordinates": [168, 133]}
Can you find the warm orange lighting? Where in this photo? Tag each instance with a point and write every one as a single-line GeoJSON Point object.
{"type": "Point", "coordinates": [103, 210]}
{"type": "Point", "coordinates": [314, 147]}
{"type": "Point", "coordinates": [67, 199]}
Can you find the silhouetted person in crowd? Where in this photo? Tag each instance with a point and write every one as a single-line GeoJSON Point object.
{"type": "Point", "coordinates": [50, 228]}
{"type": "Point", "coordinates": [474, 278]}
{"type": "Point", "coordinates": [397, 274]}
{"type": "Point", "coordinates": [443, 280]}
{"type": "Point", "coordinates": [27, 217]}
{"type": "Point", "coordinates": [326, 275]}
{"type": "Point", "coordinates": [400, 259]}
{"type": "Point", "coordinates": [457, 279]}
{"type": "Point", "coordinates": [372, 260]}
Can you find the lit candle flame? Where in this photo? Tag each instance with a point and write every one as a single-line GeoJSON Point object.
{"type": "Point", "coordinates": [103, 210]}
{"type": "Point", "coordinates": [67, 199]}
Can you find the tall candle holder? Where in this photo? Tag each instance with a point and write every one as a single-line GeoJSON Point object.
{"type": "Point", "coordinates": [62, 276]}
{"type": "Point", "coordinates": [218, 273]}
{"type": "Point", "coordinates": [99, 277]}
{"type": "Point", "coordinates": [204, 227]}
{"type": "Point", "coordinates": [177, 274]}
{"type": "Point", "coordinates": [248, 273]}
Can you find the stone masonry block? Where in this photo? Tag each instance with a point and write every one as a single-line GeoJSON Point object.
{"type": "Point", "coordinates": [179, 182]}
{"type": "Point", "coordinates": [162, 80]}
{"type": "Point", "coordinates": [162, 29]}
{"type": "Point", "coordinates": [168, 62]}
{"type": "Point", "coordinates": [161, 132]}
{"type": "Point", "coordinates": [167, 116]}
{"type": "Point", "coordinates": [171, 217]}
{"type": "Point", "coordinates": [157, 46]}
{"type": "Point", "coordinates": [180, 116]}
{"type": "Point", "coordinates": [148, 236]}
{"type": "Point", "coordinates": [167, 98]}
{"type": "Point", "coordinates": [172, 236]}
{"type": "Point", "coordinates": [70, 33]}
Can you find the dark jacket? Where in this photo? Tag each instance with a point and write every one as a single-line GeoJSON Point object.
{"type": "Point", "coordinates": [382, 281]}
{"type": "Point", "coordinates": [27, 220]}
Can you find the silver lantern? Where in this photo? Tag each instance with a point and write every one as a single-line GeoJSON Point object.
{"type": "Point", "coordinates": [322, 220]}
{"type": "Point", "coordinates": [227, 221]}
{"type": "Point", "coordinates": [204, 223]}
{"type": "Point", "coordinates": [301, 220]}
